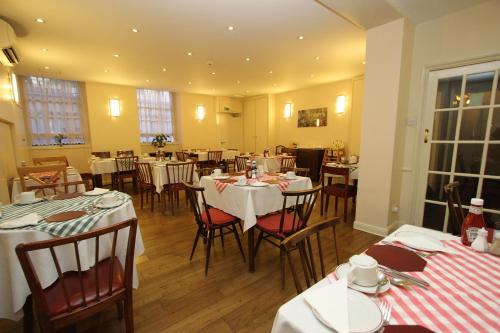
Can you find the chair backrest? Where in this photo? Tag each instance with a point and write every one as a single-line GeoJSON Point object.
{"type": "Point", "coordinates": [44, 177]}
{"type": "Point", "coordinates": [102, 154]}
{"type": "Point", "coordinates": [279, 149]}
{"type": "Point", "coordinates": [300, 205]}
{"type": "Point", "coordinates": [287, 163]}
{"type": "Point", "coordinates": [332, 170]}
{"type": "Point", "coordinates": [144, 174]}
{"type": "Point", "coordinates": [240, 162]}
{"type": "Point", "coordinates": [182, 156]}
{"type": "Point", "coordinates": [289, 151]}
{"type": "Point", "coordinates": [194, 193]}
{"type": "Point", "coordinates": [328, 156]}
{"type": "Point", "coordinates": [302, 172]}
{"type": "Point", "coordinates": [50, 160]}
{"type": "Point", "coordinates": [215, 155]}
{"type": "Point", "coordinates": [179, 172]}
{"type": "Point", "coordinates": [455, 207]}
{"type": "Point", "coordinates": [126, 164]}
{"type": "Point", "coordinates": [204, 171]}
{"type": "Point", "coordinates": [124, 153]}
{"type": "Point", "coordinates": [41, 302]}
{"type": "Point", "coordinates": [302, 241]}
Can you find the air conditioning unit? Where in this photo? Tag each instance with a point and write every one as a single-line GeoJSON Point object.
{"type": "Point", "coordinates": [8, 54]}
{"type": "Point", "coordinates": [228, 110]}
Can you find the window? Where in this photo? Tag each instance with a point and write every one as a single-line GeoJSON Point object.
{"type": "Point", "coordinates": [155, 113]}
{"type": "Point", "coordinates": [53, 109]}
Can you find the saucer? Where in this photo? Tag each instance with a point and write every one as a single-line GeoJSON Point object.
{"type": "Point", "coordinates": [259, 184]}
{"type": "Point", "coordinates": [17, 203]}
{"type": "Point", "coordinates": [116, 203]}
{"type": "Point", "coordinates": [240, 184]}
{"type": "Point", "coordinates": [342, 270]}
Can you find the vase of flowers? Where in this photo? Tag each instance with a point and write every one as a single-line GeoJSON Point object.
{"type": "Point", "coordinates": [160, 140]}
{"type": "Point", "coordinates": [59, 139]}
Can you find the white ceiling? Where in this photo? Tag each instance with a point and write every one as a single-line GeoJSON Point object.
{"type": "Point", "coordinates": [82, 36]}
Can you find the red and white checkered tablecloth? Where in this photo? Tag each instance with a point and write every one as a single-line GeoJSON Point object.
{"type": "Point", "coordinates": [464, 295]}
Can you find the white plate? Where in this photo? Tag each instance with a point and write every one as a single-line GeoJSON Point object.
{"type": "Point", "coordinates": [111, 205]}
{"type": "Point", "coordinates": [291, 178]}
{"type": "Point", "coordinates": [419, 241]}
{"type": "Point", "coordinates": [364, 314]}
{"type": "Point", "coordinates": [259, 184]}
{"type": "Point", "coordinates": [238, 184]}
{"type": "Point", "coordinates": [17, 203]}
{"type": "Point", "coordinates": [341, 272]}
{"type": "Point", "coordinates": [220, 177]}
{"type": "Point", "coordinates": [94, 192]}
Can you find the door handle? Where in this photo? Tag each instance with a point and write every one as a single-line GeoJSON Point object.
{"type": "Point", "coordinates": [426, 135]}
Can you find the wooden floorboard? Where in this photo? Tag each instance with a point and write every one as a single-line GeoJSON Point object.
{"type": "Point", "coordinates": [175, 296]}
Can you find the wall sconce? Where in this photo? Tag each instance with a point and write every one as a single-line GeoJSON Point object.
{"type": "Point", "coordinates": [340, 104]}
{"type": "Point", "coordinates": [287, 113]}
{"type": "Point", "coordinates": [15, 90]}
{"type": "Point", "coordinates": [200, 112]}
{"type": "Point", "coordinates": [114, 107]}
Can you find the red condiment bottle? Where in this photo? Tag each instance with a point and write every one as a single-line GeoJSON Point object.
{"type": "Point", "coordinates": [473, 222]}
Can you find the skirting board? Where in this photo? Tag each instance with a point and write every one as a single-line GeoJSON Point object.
{"type": "Point", "coordinates": [379, 231]}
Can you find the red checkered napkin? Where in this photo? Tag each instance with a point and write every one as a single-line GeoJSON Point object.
{"type": "Point", "coordinates": [220, 186]}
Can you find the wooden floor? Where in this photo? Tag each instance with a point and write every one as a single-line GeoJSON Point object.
{"type": "Point", "coordinates": [175, 296]}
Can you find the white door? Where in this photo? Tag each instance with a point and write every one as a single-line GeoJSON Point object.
{"type": "Point", "coordinates": [461, 142]}
{"type": "Point", "coordinates": [249, 125]}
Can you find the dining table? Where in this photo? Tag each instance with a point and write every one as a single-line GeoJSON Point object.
{"type": "Point", "coordinates": [353, 170]}
{"type": "Point", "coordinates": [202, 156]}
{"type": "Point", "coordinates": [73, 176]}
{"type": "Point", "coordinates": [248, 202]}
{"type": "Point", "coordinates": [159, 173]}
{"type": "Point", "coordinates": [463, 294]}
{"type": "Point", "coordinates": [13, 285]}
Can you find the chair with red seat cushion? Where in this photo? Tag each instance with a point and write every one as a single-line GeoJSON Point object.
{"type": "Point", "coordinates": [344, 190]}
{"type": "Point", "coordinates": [80, 294]}
{"type": "Point", "coordinates": [209, 220]}
{"type": "Point", "coordinates": [293, 217]}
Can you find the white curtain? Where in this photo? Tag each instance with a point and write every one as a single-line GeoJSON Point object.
{"type": "Point", "coordinates": [155, 113]}
{"type": "Point", "coordinates": [53, 108]}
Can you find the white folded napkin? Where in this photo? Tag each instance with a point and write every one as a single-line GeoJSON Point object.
{"type": "Point", "coordinates": [26, 220]}
{"type": "Point", "coordinates": [329, 304]}
{"type": "Point", "coordinates": [420, 242]}
{"type": "Point", "coordinates": [98, 190]}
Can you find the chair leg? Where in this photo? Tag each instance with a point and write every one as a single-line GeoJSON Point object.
{"type": "Point", "coordinates": [239, 242]}
{"type": "Point", "coordinates": [28, 315]}
{"type": "Point", "coordinates": [282, 262]}
{"type": "Point", "coordinates": [119, 309]}
{"type": "Point", "coordinates": [129, 313]}
{"type": "Point", "coordinates": [327, 202]}
{"type": "Point", "coordinates": [257, 245]}
{"type": "Point", "coordinates": [336, 204]}
{"type": "Point", "coordinates": [345, 208]}
{"type": "Point", "coordinates": [195, 243]}
{"type": "Point", "coordinates": [321, 203]}
{"type": "Point", "coordinates": [221, 237]}
{"type": "Point", "coordinates": [152, 199]}
{"type": "Point", "coordinates": [142, 199]}
{"type": "Point", "coordinates": [210, 240]}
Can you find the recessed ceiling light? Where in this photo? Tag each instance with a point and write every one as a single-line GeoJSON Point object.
{"type": "Point", "coordinates": [189, 82]}
{"type": "Point", "coordinates": [44, 49]}
{"type": "Point", "coordinates": [247, 59]}
{"type": "Point", "coordinates": [316, 58]}
{"type": "Point", "coordinates": [364, 62]}
{"type": "Point", "coordinates": [238, 82]}
{"type": "Point", "coordinates": [274, 84]}
{"type": "Point", "coordinates": [213, 73]}
{"type": "Point", "coordinates": [40, 20]}
{"type": "Point", "coordinates": [247, 91]}
{"type": "Point", "coordinates": [270, 72]}
{"type": "Point", "coordinates": [189, 54]}
{"type": "Point", "coordinates": [164, 69]}
{"type": "Point", "coordinates": [300, 37]}
{"type": "Point", "coordinates": [147, 80]}
{"type": "Point", "coordinates": [116, 55]}
{"type": "Point", "coordinates": [230, 28]}
{"type": "Point", "coordinates": [105, 71]}
{"type": "Point", "coordinates": [46, 67]}
{"type": "Point", "coordinates": [135, 30]}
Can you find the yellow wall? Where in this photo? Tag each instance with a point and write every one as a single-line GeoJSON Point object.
{"type": "Point", "coordinates": [338, 125]}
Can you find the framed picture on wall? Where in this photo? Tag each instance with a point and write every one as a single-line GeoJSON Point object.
{"type": "Point", "coordinates": [312, 117]}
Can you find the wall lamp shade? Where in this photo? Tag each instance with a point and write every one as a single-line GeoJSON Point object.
{"type": "Point", "coordinates": [340, 104]}
{"type": "Point", "coordinates": [114, 107]}
{"type": "Point", "coordinates": [15, 90]}
{"type": "Point", "coordinates": [287, 112]}
{"type": "Point", "coordinates": [200, 112]}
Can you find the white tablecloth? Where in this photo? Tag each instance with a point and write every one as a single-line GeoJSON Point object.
{"type": "Point", "coordinates": [353, 173]}
{"type": "Point", "coordinates": [73, 176]}
{"type": "Point", "coordinates": [101, 166]}
{"type": "Point", "coordinates": [296, 316]}
{"type": "Point", "coordinates": [247, 202]}
{"type": "Point", "coordinates": [160, 176]}
{"type": "Point", "coordinates": [13, 286]}
{"type": "Point", "coordinates": [226, 155]}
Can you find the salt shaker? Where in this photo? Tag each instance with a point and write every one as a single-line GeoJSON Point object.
{"type": "Point", "coordinates": [480, 244]}
{"type": "Point", "coordinates": [495, 247]}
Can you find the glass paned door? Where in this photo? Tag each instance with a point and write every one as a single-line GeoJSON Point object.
{"type": "Point", "coordinates": [461, 142]}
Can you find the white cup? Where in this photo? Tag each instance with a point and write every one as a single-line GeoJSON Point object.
{"type": "Point", "coordinates": [25, 197]}
{"type": "Point", "coordinates": [216, 172]}
{"type": "Point", "coordinates": [363, 270]}
{"type": "Point", "coordinates": [242, 180]}
{"type": "Point", "coordinates": [108, 199]}
{"type": "Point", "coordinates": [284, 154]}
{"type": "Point", "coordinates": [290, 175]}
{"type": "Point", "coordinates": [353, 159]}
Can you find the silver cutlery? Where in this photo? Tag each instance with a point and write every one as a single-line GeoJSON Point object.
{"type": "Point", "coordinates": [394, 273]}
{"type": "Point", "coordinates": [386, 310]}
{"type": "Point", "coordinates": [420, 254]}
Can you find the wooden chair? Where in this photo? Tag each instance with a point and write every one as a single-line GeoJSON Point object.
{"type": "Point", "coordinates": [125, 153]}
{"type": "Point", "coordinates": [177, 174]}
{"type": "Point", "coordinates": [302, 172]}
{"type": "Point", "coordinates": [293, 217]}
{"type": "Point", "coordinates": [328, 156]}
{"type": "Point", "coordinates": [50, 160]}
{"type": "Point", "coordinates": [209, 220]}
{"type": "Point", "coordinates": [241, 163]}
{"type": "Point", "coordinates": [279, 149]}
{"type": "Point", "coordinates": [125, 168]}
{"type": "Point", "coordinates": [102, 154]}
{"type": "Point", "coordinates": [287, 163]}
{"type": "Point", "coordinates": [344, 190]}
{"type": "Point", "coordinates": [182, 156]}
{"type": "Point", "coordinates": [302, 241]}
{"type": "Point", "coordinates": [51, 177]}
{"type": "Point", "coordinates": [289, 151]}
{"type": "Point", "coordinates": [214, 158]}
{"type": "Point", "coordinates": [146, 184]}
{"type": "Point", "coordinates": [79, 294]}
{"type": "Point", "coordinates": [455, 208]}
{"type": "Point", "coordinates": [204, 172]}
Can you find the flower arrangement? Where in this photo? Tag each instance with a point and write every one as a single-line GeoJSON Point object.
{"type": "Point", "coordinates": [59, 138]}
{"type": "Point", "coordinates": [338, 144]}
{"type": "Point", "coordinates": [160, 140]}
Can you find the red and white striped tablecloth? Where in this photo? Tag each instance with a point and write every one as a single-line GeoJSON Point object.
{"type": "Point", "coordinates": [464, 295]}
